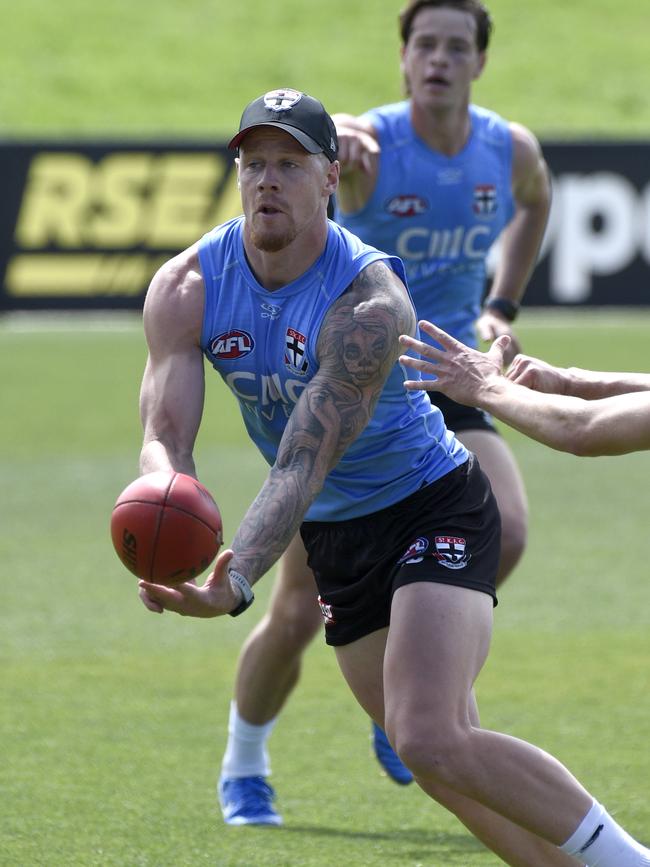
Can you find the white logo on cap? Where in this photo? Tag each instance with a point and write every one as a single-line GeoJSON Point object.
{"type": "Point", "coordinates": [282, 100]}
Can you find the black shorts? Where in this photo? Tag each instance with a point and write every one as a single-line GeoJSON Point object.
{"type": "Point", "coordinates": [459, 417]}
{"type": "Point", "coordinates": [448, 532]}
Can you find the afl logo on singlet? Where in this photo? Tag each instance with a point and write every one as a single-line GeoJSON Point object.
{"type": "Point", "coordinates": [407, 206]}
{"type": "Point", "coordinates": [232, 344]}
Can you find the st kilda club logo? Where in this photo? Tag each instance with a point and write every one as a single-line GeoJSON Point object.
{"type": "Point", "coordinates": [451, 552]}
{"type": "Point", "coordinates": [295, 345]}
{"type": "Point", "coordinates": [485, 200]}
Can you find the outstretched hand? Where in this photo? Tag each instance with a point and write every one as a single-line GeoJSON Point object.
{"type": "Point", "coordinates": [462, 373]}
{"type": "Point", "coordinates": [212, 599]}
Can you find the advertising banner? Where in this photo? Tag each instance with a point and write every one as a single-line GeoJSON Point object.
{"type": "Point", "coordinates": [596, 249]}
{"type": "Point", "coordinates": [87, 224]}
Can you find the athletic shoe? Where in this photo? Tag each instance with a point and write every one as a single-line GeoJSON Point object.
{"type": "Point", "coordinates": [247, 801]}
{"type": "Point", "coordinates": [388, 758]}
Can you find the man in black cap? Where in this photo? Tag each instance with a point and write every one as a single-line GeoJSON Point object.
{"type": "Point", "coordinates": [302, 320]}
{"type": "Point", "coordinates": [270, 660]}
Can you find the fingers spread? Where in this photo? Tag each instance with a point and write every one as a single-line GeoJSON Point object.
{"type": "Point", "coordinates": [440, 336]}
{"type": "Point", "coordinates": [425, 349]}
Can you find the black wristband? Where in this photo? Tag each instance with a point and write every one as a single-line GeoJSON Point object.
{"type": "Point", "coordinates": [248, 596]}
{"type": "Point", "coordinates": [508, 309]}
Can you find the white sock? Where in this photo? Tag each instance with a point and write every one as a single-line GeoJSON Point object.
{"type": "Point", "coordinates": [246, 754]}
{"type": "Point", "coordinates": [599, 841]}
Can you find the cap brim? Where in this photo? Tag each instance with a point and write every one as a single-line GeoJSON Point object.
{"type": "Point", "coordinates": [302, 138]}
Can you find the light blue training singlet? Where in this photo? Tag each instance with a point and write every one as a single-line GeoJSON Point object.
{"type": "Point", "coordinates": [263, 344]}
{"type": "Point", "coordinates": [439, 214]}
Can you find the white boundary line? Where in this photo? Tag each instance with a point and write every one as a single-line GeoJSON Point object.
{"type": "Point", "coordinates": [36, 322]}
{"type": "Point", "coordinates": [115, 321]}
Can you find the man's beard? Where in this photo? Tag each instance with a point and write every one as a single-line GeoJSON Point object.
{"type": "Point", "coordinates": [272, 241]}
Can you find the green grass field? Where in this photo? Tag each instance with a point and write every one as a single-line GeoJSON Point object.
{"type": "Point", "coordinates": [564, 69]}
{"type": "Point", "coordinates": [113, 720]}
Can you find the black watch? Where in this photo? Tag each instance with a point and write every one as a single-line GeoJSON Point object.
{"type": "Point", "coordinates": [507, 308]}
{"type": "Point", "coordinates": [248, 597]}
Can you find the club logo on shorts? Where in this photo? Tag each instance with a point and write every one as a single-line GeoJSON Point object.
{"type": "Point", "coordinates": [294, 355]}
{"type": "Point", "coordinates": [415, 550]}
{"type": "Point", "coordinates": [485, 200]}
{"type": "Point", "coordinates": [282, 100]}
{"type": "Point", "coordinates": [326, 611]}
{"type": "Point", "coordinates": [451, 553]}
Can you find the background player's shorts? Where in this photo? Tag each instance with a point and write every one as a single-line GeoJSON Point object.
{"type": "Point", "coordinates": [458, 417]}
{"type": "Point", "coordinates": [448, 532]}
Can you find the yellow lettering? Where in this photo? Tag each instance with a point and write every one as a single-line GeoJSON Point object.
{"type": "Point", "coordinates": [185, 192]}
{"type": "Point", "coordinates": [119, 190]}
{"type": "Point", "coordinates": [125, 201]}
{"type": "Point", "coordinates": [54, 204]}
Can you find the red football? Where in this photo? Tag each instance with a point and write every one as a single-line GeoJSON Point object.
{"type": "Point", "coordinates": [166, 527]}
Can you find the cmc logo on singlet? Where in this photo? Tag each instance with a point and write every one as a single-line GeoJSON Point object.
{"type": "Point", "coordinates": [232, 344]}
{"type": "Point", "coordinates": [417, 244]}
{"type": "Point", "coordinates": [407, 206]}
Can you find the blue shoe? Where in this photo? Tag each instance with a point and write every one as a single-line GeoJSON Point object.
{"type": "Point", "coordinates": [247, 801]}
{"type": "Point", "coordinates": [388, 758]}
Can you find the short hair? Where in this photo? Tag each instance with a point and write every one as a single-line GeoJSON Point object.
{"type": "Point", "coordinates": [474, 7]}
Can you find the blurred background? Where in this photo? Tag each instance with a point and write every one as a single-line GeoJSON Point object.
{"type": "Point", "coordinates": [113, 123]}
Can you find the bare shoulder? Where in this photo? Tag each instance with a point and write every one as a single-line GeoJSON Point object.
{"type": "Point", "coordinates": [378, 287]}
{"type": "Point", "coordinates": [524, 142]}
{"type": "Point", "coordinates": [530, 176]}
{"type": "Point", "coordinates": [174, 302]}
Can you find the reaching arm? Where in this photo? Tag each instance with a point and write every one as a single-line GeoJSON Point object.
{"type": "Point", "coordinates": [521, 239]}
{"type": "Point", "coordinates": [587, 384]}
{"type": "Point", "coordinates": [609, 426]}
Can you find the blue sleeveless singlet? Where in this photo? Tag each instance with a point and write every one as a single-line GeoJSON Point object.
{"type": "Point", "coordinates": [439, 214]}
{"type": "Point", "coordinates": [263, 344]}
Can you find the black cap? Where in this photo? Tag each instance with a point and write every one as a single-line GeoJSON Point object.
{"type": "Point", "coordinates": [299, 114]}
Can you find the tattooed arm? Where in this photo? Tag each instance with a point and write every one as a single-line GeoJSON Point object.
{"type": "Point", "coordinates": [357, 349]}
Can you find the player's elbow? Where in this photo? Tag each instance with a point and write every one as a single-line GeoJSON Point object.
{"type": "Point", "coordinates": [579, 436]}
{"type": "Point", "coordinates": [577, 446]}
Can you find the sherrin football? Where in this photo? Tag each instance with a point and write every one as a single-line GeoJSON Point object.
{"type": "Point", "coordinates": [166, 527]}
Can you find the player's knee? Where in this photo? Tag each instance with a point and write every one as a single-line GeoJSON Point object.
{"type": "Point", "coordinates": [296, 618]}
{"type": "Point", "coordinates": [438, 752]}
